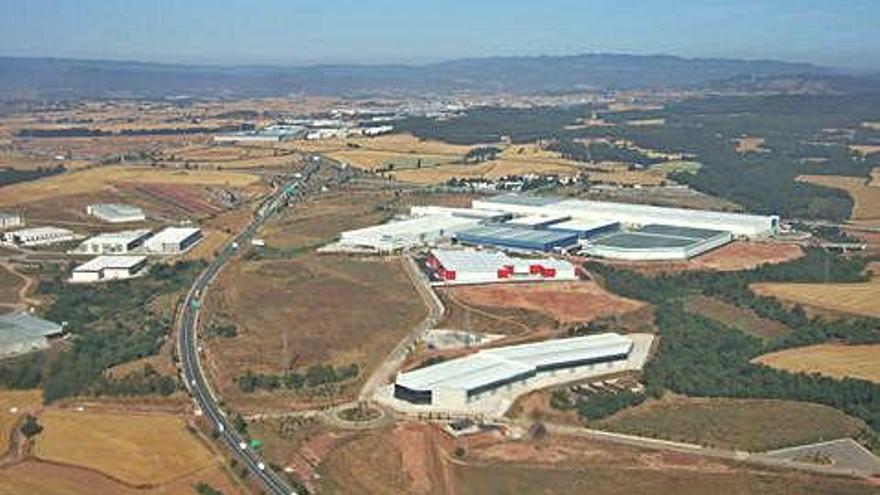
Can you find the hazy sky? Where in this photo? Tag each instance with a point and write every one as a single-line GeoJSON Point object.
{"type": "Point", "coordinates": [842, 33]}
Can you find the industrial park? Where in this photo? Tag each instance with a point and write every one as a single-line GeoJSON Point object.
{"type": "Point", "coordinates": [277, 249]}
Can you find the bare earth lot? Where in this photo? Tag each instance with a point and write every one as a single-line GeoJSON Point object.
{"type": "Point", "coordinates": [566, 302]}
{"type": "Point", "coordinates": [834, 360]}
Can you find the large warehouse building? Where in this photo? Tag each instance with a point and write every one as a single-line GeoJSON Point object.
{"type": "Point", "coordinates": [22, 332]}
{"type": "Point", "coordinates": [120, 242]}
{"type": "Point", "coordinates": [173, 240]}
{"type": "Point", "coordinates": [116, 213]}
{"type": "Point", "coordinates": [656, 242]}
{"type": "Point", "coordinates": [403, 234]}
{"type": "Point", "coordinates": [468, 266]}
{"type": "Point", "coordinates": [104, 268]}
{"type": "Point", "coordinates": [493, 377]}
{"type": "Point", "coordinates": [739, 224]}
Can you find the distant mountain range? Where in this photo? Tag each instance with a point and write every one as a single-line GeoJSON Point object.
{"type": "Point", "coordinates": [61, 78]}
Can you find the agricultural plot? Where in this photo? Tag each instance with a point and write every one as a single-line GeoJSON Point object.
{"type": "Point", "coordinates": [863, 192]}
{"type": "Point", "coordinates": [743, 255]}
{"type": "Point", "coordinates": [135, 449]}
{"type": "Point", "coordinates": [834, 360]}
{"type": "Point", "coordinates": [733, 316]}
{"type": "Point", "coordinates": [743, 424]}
{"type": "Point", "coordinates": [856, 298]}
{"type": "Point", "coordinates": [96, 180]}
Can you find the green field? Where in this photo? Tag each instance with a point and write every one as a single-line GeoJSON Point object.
{"type": "Point", "coordinates": [744, 424]}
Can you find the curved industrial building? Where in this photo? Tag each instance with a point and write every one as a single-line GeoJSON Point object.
{"type": "Point", "coordinates": [455, 384]}
{"type": "Point", "coordinates": [657, 242]}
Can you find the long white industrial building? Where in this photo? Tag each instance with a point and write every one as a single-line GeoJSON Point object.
{"type": "Point", "coordinates": [402, 234]}
{"type": "Point", "coordinates": [470, 266]}
{"type": "Point", "coordinates": [120, 242]}
{"type": "Point", "coordinates": [739, 224]}
{"type": "Point", "coordinates": [104, 268]}
{"type": "Point", "coordinates": [488, 381]}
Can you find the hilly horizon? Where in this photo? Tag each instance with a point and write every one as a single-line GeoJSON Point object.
{"type": "Point", "coordinates": [45, 77]}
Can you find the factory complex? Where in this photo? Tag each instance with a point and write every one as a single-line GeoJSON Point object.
{"type": "Point", "coordinates": [22, 332]}
{"type": "Point", "coordinates": [488, 381]}
{"type": "Point", "coordinates": [524, 223]}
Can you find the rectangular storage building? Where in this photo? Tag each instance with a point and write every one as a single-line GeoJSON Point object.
{"type": "Point", "coordinates": [173, 240]}
{"type": "Point", "coordinates": [468, 266]}
{"type": "Point", "coordinates": [113, 242]}
{"type": "Point", "coordinates": [116, 213]}
{"type": "Point", "coordinates": [39, 236]}
{"type": "Point", "coordinates": [105, 268]}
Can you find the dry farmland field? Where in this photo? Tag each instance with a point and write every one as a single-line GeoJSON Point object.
{"type": "Point", "coordinates": [865, 195]}
{"type": "Point", "coordinates": [97, 179]}
{"type": "Point", "coordinates": [742, 255]}
{"type": "Point", "coordinates": [566, 302]}
{"type": "Point", "coordinates": [834, 360]}
{"type": "Point", "coordinates": [743, 319]}
{"type": "Point", "coordinates": [745, 424]}
{"type": "Point", "coordinates": [148, 449]}
{"type": "Point", "coordinates": [854, 298]}
{"type": "Point", "coordinates": [14, 404]}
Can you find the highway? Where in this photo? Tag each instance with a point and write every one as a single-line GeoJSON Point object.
{"type": "Point", "coordinates": [191, 370]}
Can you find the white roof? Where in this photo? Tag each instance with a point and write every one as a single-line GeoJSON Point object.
{"type": "Point", "coordinates": [103, 262]}
{"type": "Point", "coordinates": [41, 231]}
{"type": "Point", "coordinates": [173, 235]}
{"type": "Point", "coordinates": [504, 363]}
{"type": "Point", "coordinates": [469, 260]}
{"type": "Point", "coordinates": [405, 232]}
{"type": "Point", "coordinates": [116, 209]}
{"type": "Point", "coordinates": [120, 236]}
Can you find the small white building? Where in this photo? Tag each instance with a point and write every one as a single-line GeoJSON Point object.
{"type": "Point", "coordinates": [116, 213]}
{"type": "Point", "coordinates": [105, 268]}
{"type": "Point", "coordinates": [10, 220]}
{"type": "Point", "coordinates": [173, 240]}
{"type": "Point", "coordinates": [39, 236]}
{"type": "Point", "coordinates": [120, 242]}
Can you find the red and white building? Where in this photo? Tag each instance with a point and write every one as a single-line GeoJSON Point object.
{"type": "Point", "coordinates": [469, 266]}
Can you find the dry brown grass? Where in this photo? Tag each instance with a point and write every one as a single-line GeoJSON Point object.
{"type": "Point", "coordinates": [866, 197]}
{"type": "Point", "coordinates": [865, 149]}
{"type": "Point", "coordinates": [14, 404]}
{"type": "Point", "coordinates": [834, 360]}
{"type": "Point", "coordinates": [856, 298]}
{"type": "Point", "coordinates": [743, 255]}
{"type": "Point", "coordinates": [95, 180]}
{"type": "Point", "coordinates": [136, 449]}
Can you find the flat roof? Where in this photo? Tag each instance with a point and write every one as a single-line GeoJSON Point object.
{"type": "Point", "coordinates": [683, 232]}
{"type": "Point", "coordinates": [583, 225]}
{"type": "Point", "coordinates": [516, 234]}
{"type": "Point", "coordinates": [122, 235]}
{"type": "Point", "coordinates": [635, 240]}
{"type": "Point", "coordinates": [102, 262]}
{"type": "Point", "coordinates": [504, 363]}
{"type": "Point", "coordinates": [468, 260]}
{"type": "Point", "coordinates": [173, 234]}
{"type": "Point", "coordinates": [117, 209]}
{"type": "Point", "coordinates": [523, 199]}
{"type": "Point", "coordinates": [31, 231]}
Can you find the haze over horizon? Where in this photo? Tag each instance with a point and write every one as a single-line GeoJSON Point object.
{"type": "Point", "coordinates": [229, 32]}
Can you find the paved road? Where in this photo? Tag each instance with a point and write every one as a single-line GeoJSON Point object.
{"type": "Point", "coordinates": [193, 375]}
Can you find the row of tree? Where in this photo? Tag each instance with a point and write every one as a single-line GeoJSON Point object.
{"type": "Point", "coordinates": [314, 376]}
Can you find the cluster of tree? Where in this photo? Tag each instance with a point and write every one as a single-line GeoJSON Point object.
{"type": "Point", "coordinates": [30, 427]}
{"type": "Point", "coordinates": [147, 381]}
{"type": "Point", "coordinates": [314, 376]}
{"type": "Point", "coordinates": [109, 327]}
{"type": "Point", "coordinates": [481, 154]}
{"type": "Point", "coordinates": [9, 176]}
{"type": "Point", "coordinates": [600, 152]}
{"type": "Point", "coordinates": [159, 131]}
{"type": "Point", "coordinates": [203, 488]}
{"type": "Point", "coordinates": [597, 405]}
{"type": "Point", "coordinates": [701, 357]}
{"type": "Point", "coordinates": [225, 330]}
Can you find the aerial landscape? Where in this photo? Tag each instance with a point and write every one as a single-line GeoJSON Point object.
{"type": "Point", "coordinates": [477, 248]}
